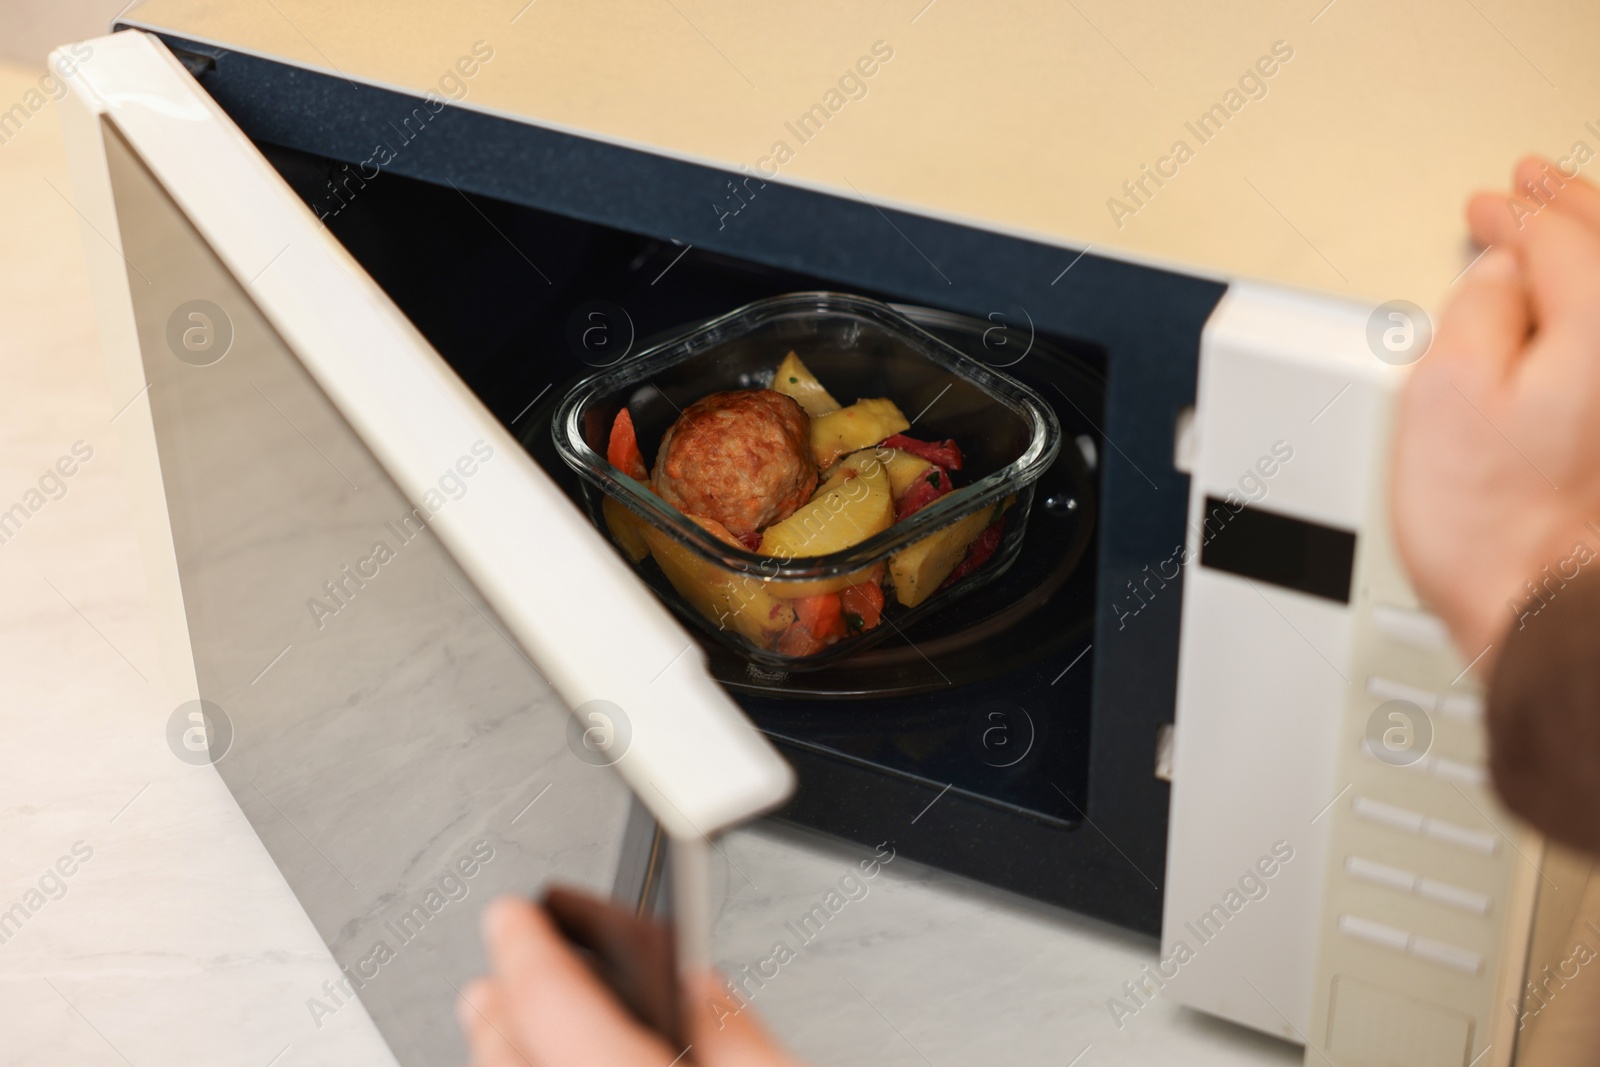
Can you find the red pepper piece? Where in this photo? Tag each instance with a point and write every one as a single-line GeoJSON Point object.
{"type": "Point", "coordinates": [946, 454]}
{"type": "Point", "coordinates": [978, 553]}
{"type": "Point", "coordinates": [925, 490]}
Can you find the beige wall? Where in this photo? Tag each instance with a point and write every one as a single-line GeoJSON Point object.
{"type": "Point", "coordinates": [30, 28]}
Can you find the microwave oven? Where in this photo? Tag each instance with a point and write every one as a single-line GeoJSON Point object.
{"type": "Point", "coordinates": [1159, 717]}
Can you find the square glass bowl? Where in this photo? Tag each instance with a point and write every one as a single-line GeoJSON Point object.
{"type": "Point", "coordinates": [858, 349]}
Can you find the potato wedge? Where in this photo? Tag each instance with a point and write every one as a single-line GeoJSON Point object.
{"type": "Point", "coordinates": [735, 601]}
{"type": "Point", "coordinates": [852, 466]}
{"type": "Point", "coordinates": [920, 568]}
{"type": "Point", "coordinates": [862, 424]}
{"type": "Point", "coordinates": [853, 508]}
{"type": "Point", "coordinates": [626, 528]}
{"type": "Point", "coordinates": [793, 379]}
{"type": "Point", "coordinates": [904, 469]}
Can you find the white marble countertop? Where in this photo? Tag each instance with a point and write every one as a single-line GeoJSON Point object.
{"type": "Point", "coordinates": [176, 941]}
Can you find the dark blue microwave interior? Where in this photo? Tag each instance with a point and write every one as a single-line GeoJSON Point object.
{"type": "Point", "coordinates": [1013, 738]}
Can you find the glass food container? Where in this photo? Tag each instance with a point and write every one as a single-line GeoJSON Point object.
{"type": "Point", "coordinates": [767, 606]}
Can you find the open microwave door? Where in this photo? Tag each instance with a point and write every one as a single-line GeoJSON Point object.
{"type": "Point", "coordinates": [375, 610]}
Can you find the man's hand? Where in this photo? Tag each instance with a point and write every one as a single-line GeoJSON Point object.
{"type": "Point", "coordinates": [1497, 446]}
{"type": "Point", "coordinates": [543, 1007]}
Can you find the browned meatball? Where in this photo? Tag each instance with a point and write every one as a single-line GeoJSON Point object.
{"type": "Point", "coordinates": [742, 458]}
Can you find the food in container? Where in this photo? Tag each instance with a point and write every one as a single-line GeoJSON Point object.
{"type": "Point", "coordinates": [794, 526]}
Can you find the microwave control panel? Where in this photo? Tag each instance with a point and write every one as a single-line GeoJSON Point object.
{"type": "Point", "coordinates": [1430, 884]}
{"type": "Point", "coordinates": [1338, 872]}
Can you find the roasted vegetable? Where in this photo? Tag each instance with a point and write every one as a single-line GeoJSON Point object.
{"type": "Point", "coordinates": [622, 451]}
{"type": "Point", "coordinates": [794, 379]}
{"type": "Point", "coordinates": [799, 641]}
{"type": "Point", "coordinates": [852, 507]}
{"type": "Point", "coordinates": [979, 552]}
{"type": "Point", "coordinates": [851, 466]}
{"type": "Point", "coordinates": [626, 528]}
{"type": "Point", "coordinates": [914, 481]}
{"type": "Point", "coordinates": [862, 606]}
{"type": "Point", "coordinates": [946, 454]}
{"type": "Point", "coordinates": [904, 468]}
{"type": "Point", "coordinates": [862, 424]}
{"type": "Point", "coordinates": [823, 615]}
{"type": "Point", "coordinates": [933, 484]}
{"type": "Point", "coordinates": [921, 567]}
{"type": "Point", "coordinates": [735, 601]}
{"type": "Point", "coordinates": [819, 622]}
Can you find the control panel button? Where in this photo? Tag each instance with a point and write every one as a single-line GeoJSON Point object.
{"type": "Point", "coordinates": [1389, 689]}
{"type": "Point", "coordinates": [1453, 895]}
{"type": "Point", "coordinates": [1452, 956]}
{"type": "Point", "coordinates": [1448, 769]}
{"type": "Point", "coordinates": [1456, 771]}
{"type": "Point", "coordinates": [1423, 948]}
{"type": "Point", "coordinates": [1451, 834]}
{"type": "Point", "coordinates": [1405, 881]}
{"type": "Point", "coordinates": [1462, 706]}
{"type": "Point", "coordinates": [1415, 628]}
{"type": "Point", "coordinates": [1374, 933]}
{"type": "Point", "coordinates": [1389, 815]}
{"type": "Point", "coordinates": [1414, 822]}
{"type": "Point", "coordinates": [1381, 874]}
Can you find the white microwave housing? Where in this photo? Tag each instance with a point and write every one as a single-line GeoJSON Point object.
{"type": "Point", "coordinates": [1401, 902]}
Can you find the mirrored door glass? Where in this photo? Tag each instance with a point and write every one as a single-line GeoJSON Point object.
{"type": "Point", "coordinates": [399, 756]}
